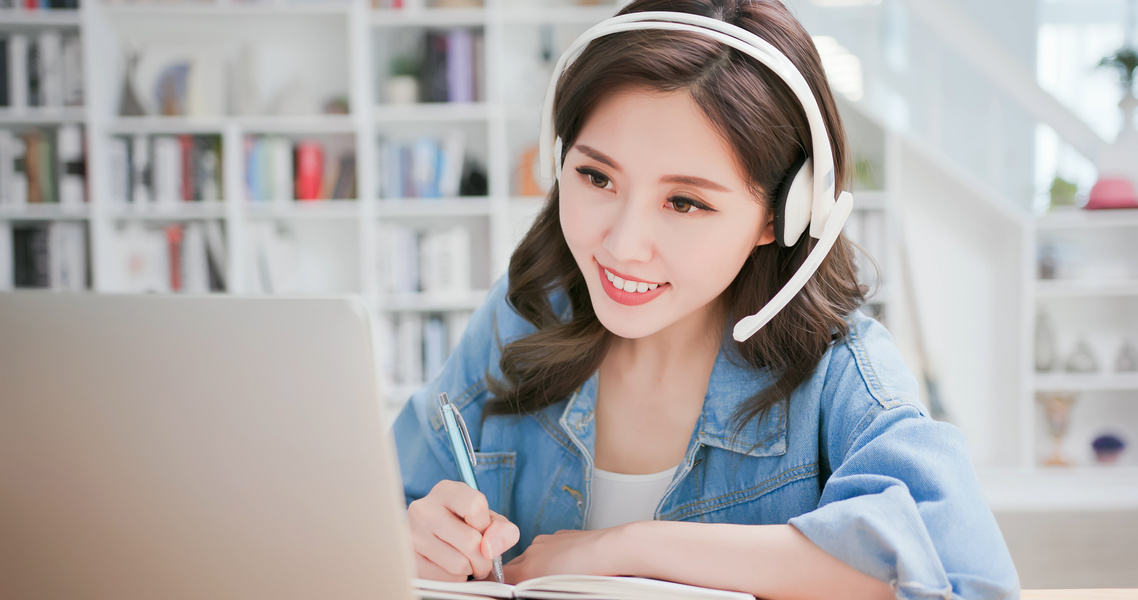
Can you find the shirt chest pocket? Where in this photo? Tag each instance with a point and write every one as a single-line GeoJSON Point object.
{"type": "Point", "coordinates": [495, 473]}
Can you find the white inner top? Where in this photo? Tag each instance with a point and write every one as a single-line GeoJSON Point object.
{"type": "Point", "coordinates": [619, 498]}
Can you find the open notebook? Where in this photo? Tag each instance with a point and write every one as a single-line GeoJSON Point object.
{"type": "Point", "coordinates": [573, 587]}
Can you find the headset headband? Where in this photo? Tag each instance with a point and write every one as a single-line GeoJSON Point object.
{"type": "Point", "coordinates": [826, 217]}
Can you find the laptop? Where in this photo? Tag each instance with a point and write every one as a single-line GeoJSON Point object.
{"type": "Point", "coordinates": [195, 447]}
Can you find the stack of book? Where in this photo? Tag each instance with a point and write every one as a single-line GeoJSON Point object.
{"type": "Point", "coordinates": [415, 345]}
{"type": "Point", "coordinates": [41, 70]}
{"type": "Point", "coordinates": [165, 170]}
{"type": "Point", "coordinates": [433, 261]}
{"type": "Point", "coordinates": [39, 4]}
{"type": "Point", "coordinates": [42, 166]}
{"type": "Point", "coordinates": [279, 169]}
{"type": "Point", "coordinates": [451, 66]}
{"type": "Point", "coordinates": [43, 255]}
{"type": "Point", "coordinates": [427, 167]}
{"type": "Point", "coordinates": [181, 257]}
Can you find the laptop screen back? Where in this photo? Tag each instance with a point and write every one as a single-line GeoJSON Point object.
{"type": "Point", "coordinates": [177, 447]}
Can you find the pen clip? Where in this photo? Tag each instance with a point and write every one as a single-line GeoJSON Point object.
{"type": "Point", "coordinates": [465, 437]}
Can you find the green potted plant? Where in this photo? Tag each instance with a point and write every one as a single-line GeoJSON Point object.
{"type": "Point", "coordinates": [402, 85]}
{"type": "Point", "coordinates": [1126, 61]}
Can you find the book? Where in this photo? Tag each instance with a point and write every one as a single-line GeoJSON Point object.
{"type": "Point", "coordinates": [13, 169]}
{"type": "Point", "coordinates": [49, 50]}
{"type": "Point", "coordinates": [31, 264]}
{"type": "Point", "coordinates": [309, 170]}
{"type": "Point", "coordinates": [345, 187]}
{"type": "Point", "coordinates": [40, 167]}
{"type": "Point", "coordinates": [460, 65]}
{"type": "Point", "coordinates": [72, 168]}
{"type": "Point", "coordinates": [6, 261]}
{"type": "Point", "coordinates": [33, 72]}
{"type": "Point", "coordinates": [72, 71]}
{"type": "Point", "coordinates": [67, 256]}
{"type": "Point", "coordinates": [167, 169]}
{"type": "Point", "coordinates": [118, 158]}
{"type": "Point", "coordinates": [4, 83]}
{"type": "Point", "coordinates": [574, 587]}
{"type": "Point", "coordinates": [141, 172]}
{"type": "Point", "coordinates": [18, 71]}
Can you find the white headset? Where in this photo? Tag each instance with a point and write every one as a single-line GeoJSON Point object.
{"type": "Point", "coordinates": [809, 201]}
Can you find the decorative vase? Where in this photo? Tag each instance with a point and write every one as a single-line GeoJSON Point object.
{"type": "Point", "coordinates": [401, 89]}
{"type": "Point", "coordinates": [1118, 164]}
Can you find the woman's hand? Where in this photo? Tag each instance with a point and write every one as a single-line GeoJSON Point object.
{"type": "Point", "coordinates": [577, 552]}
{"type": "Point", "coordinates": [455, 534]}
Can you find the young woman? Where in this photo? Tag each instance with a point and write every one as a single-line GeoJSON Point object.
{"type": "Point", "coordinates": [619, 428]}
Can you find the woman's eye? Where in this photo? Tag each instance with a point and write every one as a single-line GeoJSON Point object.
{"type": "Point", "coordinates": [684, 205]}
{"type": "Point", "coordinates": [597, 179]}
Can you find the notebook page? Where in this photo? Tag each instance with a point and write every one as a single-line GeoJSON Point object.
{"type": "Point", "coordinates": [461, 590]}
{"type": "Point", "coordinates": [594, 587]}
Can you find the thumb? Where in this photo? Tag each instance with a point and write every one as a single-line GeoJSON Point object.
{"type": "Point", "coordinates": [500, 536]}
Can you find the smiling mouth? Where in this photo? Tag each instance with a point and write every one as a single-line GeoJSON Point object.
{"type": "Point", "coordinates": [629, 292]}
{"type": "Point", "coordinates": [629, 285]}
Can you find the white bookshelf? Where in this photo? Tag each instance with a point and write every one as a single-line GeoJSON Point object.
{"type": "Point", "coordinates": [1093, 298]}
{"type": "Point", "coordinates": [337, 48]}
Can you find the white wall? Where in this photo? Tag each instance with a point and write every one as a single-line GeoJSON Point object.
{"type": "Point", "coordinates": [965, 266]}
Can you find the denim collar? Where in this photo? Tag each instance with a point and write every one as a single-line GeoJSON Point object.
{"type": "Point", "coordinates": [731, 384]}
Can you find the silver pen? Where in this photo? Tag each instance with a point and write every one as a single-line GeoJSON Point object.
{"type": "Point", "coordinates": [463, 452]}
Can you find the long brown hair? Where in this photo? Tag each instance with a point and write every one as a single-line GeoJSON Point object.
{"type": "Point", "coordinates": [762, 120]}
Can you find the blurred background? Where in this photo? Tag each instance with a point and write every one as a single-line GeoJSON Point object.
{"type": "Point", "coordinates": [387, 148]}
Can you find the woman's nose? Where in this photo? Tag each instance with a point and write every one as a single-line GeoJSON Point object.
{"type": "Point", "coordinates": [630, 237]}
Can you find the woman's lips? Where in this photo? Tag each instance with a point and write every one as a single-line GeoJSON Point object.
{"type": "Point", "coordinates": [628, 298]}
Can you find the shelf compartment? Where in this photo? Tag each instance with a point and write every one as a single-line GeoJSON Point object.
{"type": "Point", "coordinates": [1085, 382]}
{"type": "Point", "coordinates": [182, 211]}
{"type": "Point", "coordinates": [1061, 488]}
{"type": "Point", "coordinates": [433, 112]}
{"type": "Point", "coordinates": [303, 209]}
{"type": "Point", "coordinates": [232, 9]}
{"type": "Point", "coordinates": [314, 124]}
{"type": "Point", "coordinates": [566, 15]}
{"type": "Point", "coordinates": [1078, 218]}
{"type": "Point", "coordinates": [38, 115]}
{"type": "Point", "coordinates": [168, 125]}
{"type": "Point", "coordinates": [1088, 288]}
{"type": "Point", "coordinates": [429, 17]}
{"type": "Point", "coordinates": [15, 18]}
{"type": "Point", "coordinates": [423, 302]}
{"type": "Point", "coordinates": [431, 207]}
{"type": "Point", "coordinates": [44, 212]}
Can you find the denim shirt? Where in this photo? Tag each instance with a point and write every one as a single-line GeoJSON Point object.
{"type": "Point", "coordinates": [851, 460]}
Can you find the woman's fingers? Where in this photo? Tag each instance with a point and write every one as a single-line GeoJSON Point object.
{"type": "Point", "coordinates": [426, 569]}
{"type": "Point", "coordinates": [465, 502]}
{"type": "Point", "coordinates": [447, 532]}
{"type": "Point", "coordinates": [500, 536]}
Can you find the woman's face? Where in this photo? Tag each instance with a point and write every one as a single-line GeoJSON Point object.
{"type": "Point", "coordinates": [656, 212]}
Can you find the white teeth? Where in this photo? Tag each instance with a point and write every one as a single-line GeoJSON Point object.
{"type": "Point", "coordinates": [628, 285]}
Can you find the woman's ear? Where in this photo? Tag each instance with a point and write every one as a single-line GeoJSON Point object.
{"type": "Point", "coordinates": [767, 234]}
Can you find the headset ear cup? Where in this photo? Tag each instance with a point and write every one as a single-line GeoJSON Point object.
{"type": "Point", "coordinates": [792, 202]}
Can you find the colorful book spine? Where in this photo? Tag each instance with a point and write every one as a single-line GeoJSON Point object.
{"type": "Point", "coordinates": [309, 170]}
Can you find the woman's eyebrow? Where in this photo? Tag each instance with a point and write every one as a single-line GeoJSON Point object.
{"type": "Point", "coordinates": [596, 155]}
{"type": "Point", "coordinates": [696, 181]}
{"type": "Point", "coordinates": [604, 159]}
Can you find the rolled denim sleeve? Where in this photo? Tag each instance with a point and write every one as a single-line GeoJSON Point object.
{"type": "Point", "coordinates": [903, 503]}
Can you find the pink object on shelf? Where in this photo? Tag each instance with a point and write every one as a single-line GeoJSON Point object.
{"type": "Point", "coordinates": [1112, 192]}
